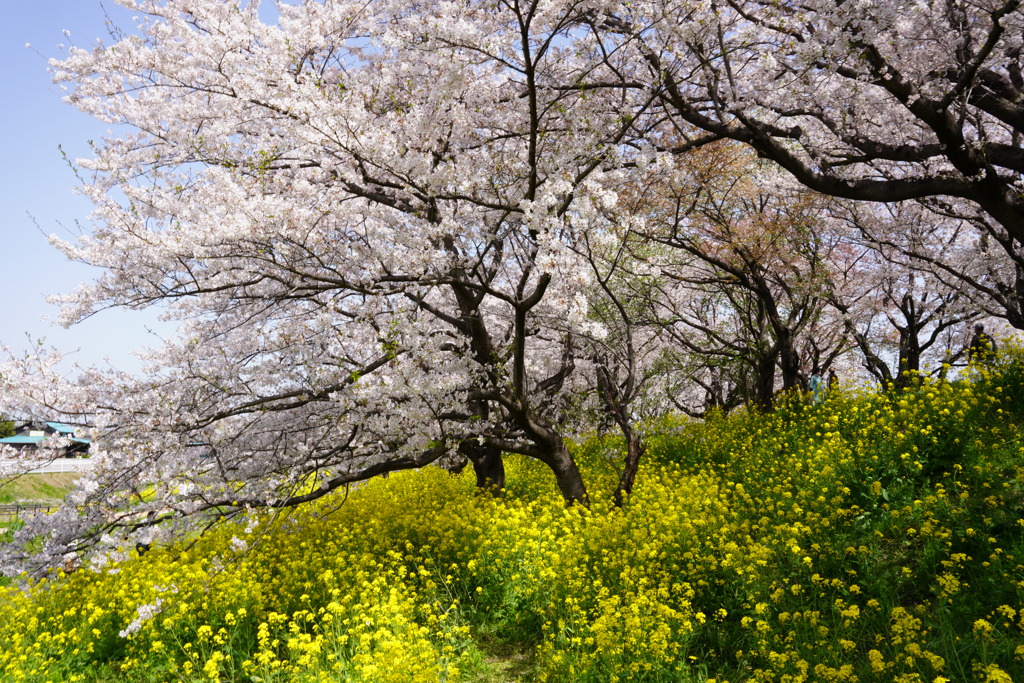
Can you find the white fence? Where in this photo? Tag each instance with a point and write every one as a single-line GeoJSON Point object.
{"type": "Point", "coordinates": [52, 466]}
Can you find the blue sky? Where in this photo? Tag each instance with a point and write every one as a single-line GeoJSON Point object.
{"type": "Point", "coordinates": [36, 182]}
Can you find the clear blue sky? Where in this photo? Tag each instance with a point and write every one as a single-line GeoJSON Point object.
{"type": "Point", "coordinates": [36, 195]}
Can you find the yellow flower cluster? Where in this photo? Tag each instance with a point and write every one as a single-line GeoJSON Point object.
{"type": "Point", "coordinates": [872, 537]}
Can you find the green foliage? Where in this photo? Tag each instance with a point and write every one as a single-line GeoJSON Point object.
{"type": "Point", "coordinates": [872, 537]}
{"type": "Point", "coordinates": [6, 427]}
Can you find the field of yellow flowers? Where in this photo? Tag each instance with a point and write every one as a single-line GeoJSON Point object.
{"type": "Point", "coordinates": [875, 537]}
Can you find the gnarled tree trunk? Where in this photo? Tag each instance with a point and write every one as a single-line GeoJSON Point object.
{"type": "Point", "coordinates": [488, 466]}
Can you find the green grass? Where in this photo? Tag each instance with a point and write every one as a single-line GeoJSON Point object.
{"type": "Point", "coordinates": [38, 488]}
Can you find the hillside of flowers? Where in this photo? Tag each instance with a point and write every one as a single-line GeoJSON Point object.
{"type": "Point", "coordinates": [875, 537]}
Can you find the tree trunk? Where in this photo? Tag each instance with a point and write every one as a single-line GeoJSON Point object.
{"type": "Point", "coordinates": [635, 449]}
{"type": "Point", "coordinates": [488, 465]}
{"type": "Point", "coordinates": [875, 365]}
{"type": "Point", "coordinates": [789, 360]}
{"type": "Point", "coordinates": [910, 358]}
{"type": "Point", "coordinates": [764, 381]}
{"type": "Point", "coordinates": [570, 482]}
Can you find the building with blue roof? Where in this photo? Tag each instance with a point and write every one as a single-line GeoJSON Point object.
{"type": "Point", "coordinates": [33, 434]}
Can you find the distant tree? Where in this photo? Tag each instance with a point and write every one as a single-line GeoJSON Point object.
{"type": "Point", "coordinates": [627, 375]}
{"type": "Point", "coordinates": [968, 257]}
{"type": "Point", "coordinates": [903, 310]}
{"type": "Point", "coordinates": [756, 254]}
{"type": "Point", "coordinates": [6, 427]}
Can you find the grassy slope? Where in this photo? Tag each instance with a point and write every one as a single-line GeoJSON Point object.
{"type": "Point", "coordinates": [38, 488]}
{"type": "Point", "coordinates": [871, 538]}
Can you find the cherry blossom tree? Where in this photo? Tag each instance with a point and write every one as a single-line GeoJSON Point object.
{"type": "Point", "coordinates": [757, 253]}
{"type": "Point", "coordinates": [966, 256]}
{"type": "Point", "coordinates": [901, 305]}
{"type": "Point", "coordinates": [626, 370]}
{"type": "Point", "coordinates": [361, 218]}
{"type": "Point", "coordinates": [881, 100]}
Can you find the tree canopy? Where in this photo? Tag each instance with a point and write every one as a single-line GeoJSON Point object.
{"type": "Point", "coordinates": [881, 101]}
